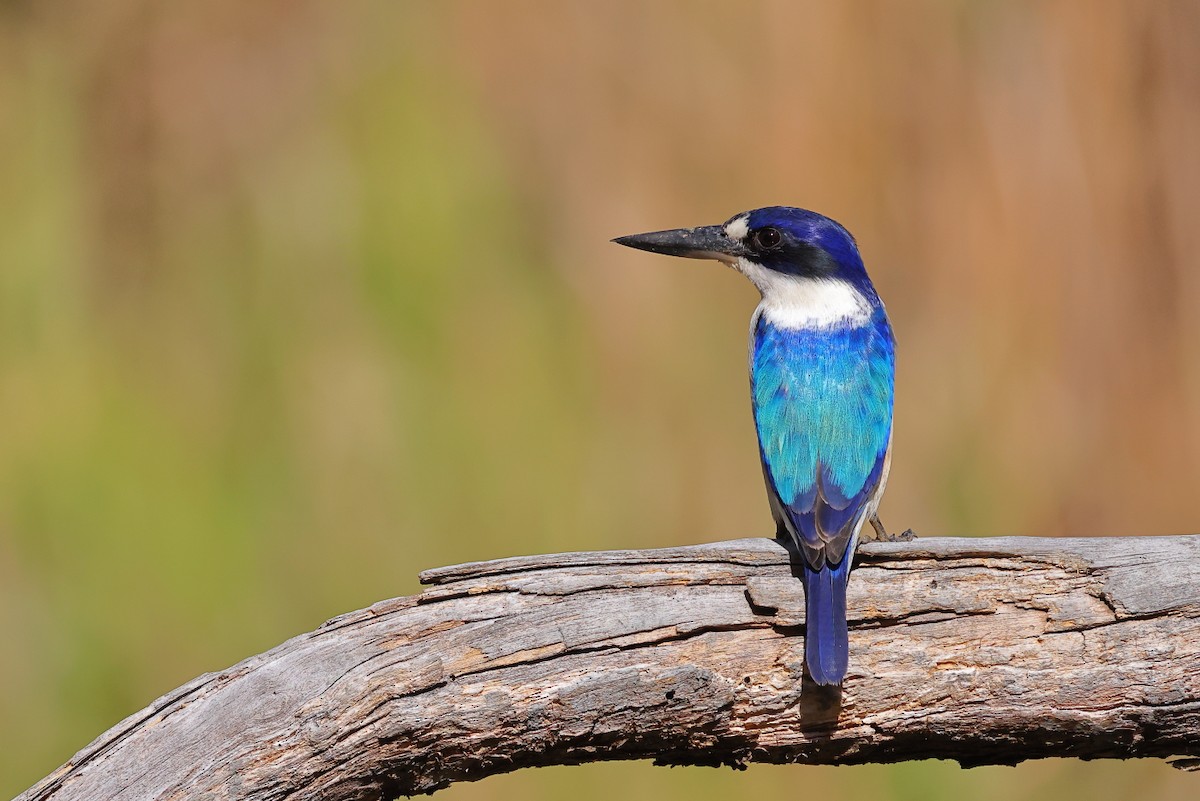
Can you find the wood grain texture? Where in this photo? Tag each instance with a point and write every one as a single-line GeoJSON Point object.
{"type": "Point", "coordinates": [987, 651]}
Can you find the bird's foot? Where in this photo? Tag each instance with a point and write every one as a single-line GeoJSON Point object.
{"type": "Point", "coordinates": [882, 535]}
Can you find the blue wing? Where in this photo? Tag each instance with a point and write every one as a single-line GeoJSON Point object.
{"type": "Point", "coordinates": [823, 410]}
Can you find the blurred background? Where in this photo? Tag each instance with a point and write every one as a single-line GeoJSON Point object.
{"type": "Point", "coordinates": [298, 299]}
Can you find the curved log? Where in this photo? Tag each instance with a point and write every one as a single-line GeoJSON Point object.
{"type": "Point", "coordinates": [986, 651]}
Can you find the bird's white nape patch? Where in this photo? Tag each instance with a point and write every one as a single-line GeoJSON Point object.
{"type": "Point", "coordinates": [738, 227]}
{"type": "Point", "coordinates": [806, 303]}
{"type": "Point", "coordinates": [815, 303]}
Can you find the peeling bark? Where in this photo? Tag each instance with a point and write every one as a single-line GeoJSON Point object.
{"type": "Point", "coordinates": [986, 651]}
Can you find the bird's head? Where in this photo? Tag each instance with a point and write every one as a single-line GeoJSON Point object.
{"type": "Point", "coordinates": [806, 266]}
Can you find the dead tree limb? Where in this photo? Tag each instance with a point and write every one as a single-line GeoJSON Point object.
{"type": "Point", "coordinates": [987, 651]}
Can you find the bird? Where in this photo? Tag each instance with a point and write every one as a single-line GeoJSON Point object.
{"type": "Point", "coordinates": [822, 377]}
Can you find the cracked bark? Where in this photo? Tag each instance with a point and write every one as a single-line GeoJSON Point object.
{"type": "Point", "coordinates": [986, 651]}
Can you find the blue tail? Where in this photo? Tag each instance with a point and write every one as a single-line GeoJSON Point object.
{"type": "Point", "coordinates": [826, 640]}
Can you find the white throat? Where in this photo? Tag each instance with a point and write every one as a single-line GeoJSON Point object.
{"type": "Point", "coordinates": [806, 303]}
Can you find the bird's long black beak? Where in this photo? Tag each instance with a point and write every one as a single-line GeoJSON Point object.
{"type": "Point", "coordinates": [706, 242]}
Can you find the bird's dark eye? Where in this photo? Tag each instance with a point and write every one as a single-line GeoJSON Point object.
{"type": "Point", "coordinates": [766, 238]}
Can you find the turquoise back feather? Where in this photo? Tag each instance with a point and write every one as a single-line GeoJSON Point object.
{"type": "Point", "coordinates": [823, 409]}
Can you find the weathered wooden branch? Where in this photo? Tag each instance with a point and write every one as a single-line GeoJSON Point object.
{"type": "Point", "coordinates": [980, 650]}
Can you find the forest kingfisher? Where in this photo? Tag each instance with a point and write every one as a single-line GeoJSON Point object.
{"type": "Point", "coordinates": [822, 367]}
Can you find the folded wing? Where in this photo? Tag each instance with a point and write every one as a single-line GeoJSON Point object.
{"type": "Point", "coordinates": [823, 410]}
